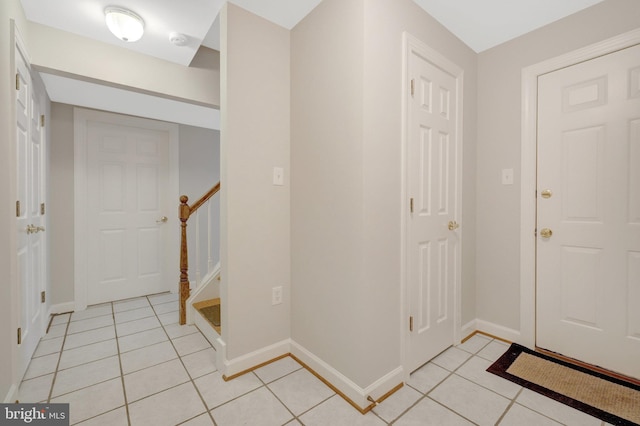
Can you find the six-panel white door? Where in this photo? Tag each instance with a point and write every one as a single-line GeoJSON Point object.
{"type": "Point", "coordinates": [127, 206]}
{"type": "Point", "coordinates": [432, 248]}
{"type": "Point", "coordinates": [31, 255]}
{"type": "Point", "coordinates": [588, 269]}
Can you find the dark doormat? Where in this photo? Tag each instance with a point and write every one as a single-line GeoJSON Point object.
{"type": "Point", "coordinates": [607, 398]}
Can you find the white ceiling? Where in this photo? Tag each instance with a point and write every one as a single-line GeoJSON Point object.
{"type": "Point", "coordinates": [484, 24]}
{"type": "Point", "coordinates": [479, 24]}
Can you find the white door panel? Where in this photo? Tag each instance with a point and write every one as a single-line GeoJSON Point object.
{"type": "Point", "coordinates": [588, 157]}
{"type": "Point", "coordinates": [432, 249]}
{"type": "Point", "coordinates": [127, 177]}
{"type": "Point", "coordinates": [31, 252]}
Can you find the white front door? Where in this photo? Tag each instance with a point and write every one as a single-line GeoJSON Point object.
{"type": "Point", "coordinates": [588, 226]}
{"type": "Point", "coordinates": [432, 185]}
{"type": "Point", "coordinates": [30, 149]}
{"type": "Point", "coordinates": [131, 209]}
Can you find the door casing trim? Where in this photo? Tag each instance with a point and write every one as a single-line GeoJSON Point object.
{"type": "Point", "coordinates": [80, 118]}
{"type": "Point", "coordinates": [528, 164]}
{"type": "Point", "coordinates": [410, 44]}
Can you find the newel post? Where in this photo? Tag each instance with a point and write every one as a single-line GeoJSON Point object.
{"type": "Point", "coordinates": [183, 212]}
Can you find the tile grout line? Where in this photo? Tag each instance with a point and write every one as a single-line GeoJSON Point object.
{"type": "Point", "coordinates": [89, 362]}
{"type": "Point", "coordinates": [454, 372]}
{"type": "Point", "coordinates": [191, 379]}
{"type": "Point", "coordinates": [55, 374]}
{"type": "Point", "coordinates": [512, 400]}
{"type": "Point", "coordinates": [451, 373]}
{"type": "Point", "coordinates": [511, 403]}
{"type": "Point", "coordinates": [536, 411]}
{"type": "Point", "coordinates": [426, 395]}
{"type": "Point", "coordinates": [126, 405]}
{"type": "Point", "coordinates": [124, 388]}
{"type": "Point", "coordinates": [266, 385]}
{"type": "Point", "coordinates": [297, 418]}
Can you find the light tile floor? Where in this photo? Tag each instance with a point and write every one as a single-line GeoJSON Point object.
{"type": "Point", "coordinates": [130, 363]}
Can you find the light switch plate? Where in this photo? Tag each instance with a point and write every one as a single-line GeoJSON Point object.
{"type": "Point", "coordinates": [276, 295]}
{"type": "Point", "coordinates": [507, 176]}
{"type": "Point", "coordinates": [278, 176]}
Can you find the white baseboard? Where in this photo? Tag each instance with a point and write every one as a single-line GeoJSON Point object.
{"type": "Point", "coordinates": [62, 308]}
{"type": "Point", "coordinates": [498, 330]}
{"type": "Point", "coordinates": [355, 393]}
{"type": "Point", "coordinates": [250, 360]}
{"type": "Point", "coordinates": [221, 355]}
{"type": "Point", "coordinates": [12, 395]}
{"type": "Point", "coordinates": [383, 385]}
{"type": "Point", "coordinates": [468, 329]}
{"type": "Point", "coordinates": [214, 338]}
{"type": "Point", "coordinates": [207, 330]}
{"type": "Point", "coordinates": [348, 388]}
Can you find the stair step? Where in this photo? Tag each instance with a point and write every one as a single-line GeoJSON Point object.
{"type": "Point", "coordinates": [212, 314]}
{"type": "Point", "coordinates": [210, 310]}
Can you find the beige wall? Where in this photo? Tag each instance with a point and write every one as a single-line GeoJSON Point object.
{"type": "Point", "coordinates": [60, 52]}
{"type": "Point", "coordinates": [61, 204]}
{"type": "Point", "coordinates": [499, 114]}
{"type": "Point", "coordinates": [254, 213]}
{"type": "Point", "coordinates": [346, 179]}
{"type": "Point", "coordinates": [327, 191]}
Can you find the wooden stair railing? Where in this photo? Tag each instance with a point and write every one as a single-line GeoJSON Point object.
{"type": "Point", "coordinates": [184, 212]}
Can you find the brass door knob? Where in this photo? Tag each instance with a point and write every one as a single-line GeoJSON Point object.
{"type": "Point", "coordinates": [453, 225]}
{"type": "Point", "coordinates": [163, 219]}
{"type": "Point", "coordinates": [33, 229]}
{"type": "Point", "coordinates": [546, 233]}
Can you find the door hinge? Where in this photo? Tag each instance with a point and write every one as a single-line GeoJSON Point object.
{"type": "Point", "coordinates": [411, 205]}
{"type": "Point", "coordinates": [411, 323]}
{"type": "Point", "coordinates": [18, 211]}
{"type": "Point", "coordinates": [17, 81]}
{"type": "Point", "coordinates": [43, 296]}
{"type": "Point", "coordinates": [42, 120]}
{"type": "Point", "coordinates": [42, 209]}
{"type": "Point", "coordinates": [535, 232]}
{"type": "Point", "coordinates": [19, 335]}
{"type": "Point", "coordinates": [413, 86]}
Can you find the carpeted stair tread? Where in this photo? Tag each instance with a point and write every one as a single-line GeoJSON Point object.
{"type": "Point", "coordinates": [212, 314]}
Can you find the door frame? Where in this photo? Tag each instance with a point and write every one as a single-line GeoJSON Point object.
{"type": "Point", "coordinates": [528, 161]}
{"type": "Point", "coordinates": [412, 44]}
{"type": "Point", "coordinates": [80, 118]}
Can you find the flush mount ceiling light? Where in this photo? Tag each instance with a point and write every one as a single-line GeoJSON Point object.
{"type": "Point", "coordinates": [124, 24]}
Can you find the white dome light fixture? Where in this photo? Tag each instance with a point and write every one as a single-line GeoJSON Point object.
{"type": "Point", "coordinates": [124, 24]}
